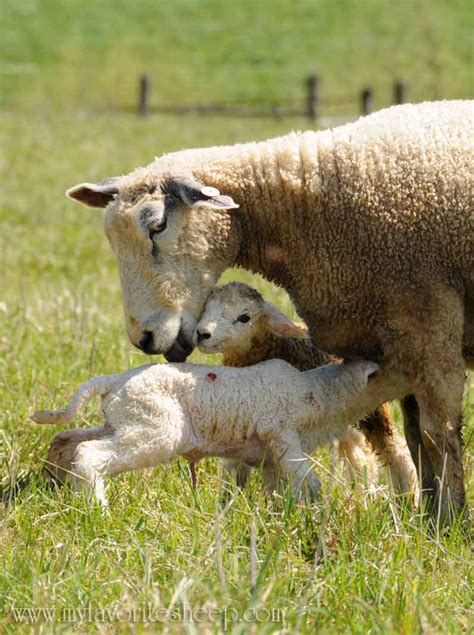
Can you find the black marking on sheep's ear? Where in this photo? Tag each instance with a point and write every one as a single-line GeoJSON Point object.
{"type": "Point", "coordinates": [195, 194]}
{"type": "Point", "coordinates": [95, 194]}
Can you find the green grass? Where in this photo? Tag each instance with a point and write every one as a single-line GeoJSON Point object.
{"type": "Point", "coordinates": [161, 544]}
{"type": "Point", "coordinates": [79, 54]}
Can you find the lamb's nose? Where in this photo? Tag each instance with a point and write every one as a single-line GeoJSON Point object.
{"type": "Point", "coordinates": [146, 343]}
{"type": "Point", "coordinates": [202, 335]}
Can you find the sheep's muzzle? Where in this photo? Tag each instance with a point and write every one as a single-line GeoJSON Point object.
{"type": "Point", "coordinates": [180, 350]}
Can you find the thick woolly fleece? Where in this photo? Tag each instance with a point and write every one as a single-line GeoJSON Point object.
{"type": "Point", "coordinates": [256, 341]}
{"type": "Point", "coordinates": [156, 413]}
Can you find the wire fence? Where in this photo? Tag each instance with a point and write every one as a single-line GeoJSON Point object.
{"type": "Point", "coordinates": [311, 105]}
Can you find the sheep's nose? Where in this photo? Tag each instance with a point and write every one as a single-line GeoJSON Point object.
{"type": "Point", "coordinates": [146, 343]}
{"type": "Point", "coordinates": [202, 335]}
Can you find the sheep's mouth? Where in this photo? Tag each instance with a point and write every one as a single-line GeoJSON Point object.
{"type": "Point", "coordinates": [180, 350]}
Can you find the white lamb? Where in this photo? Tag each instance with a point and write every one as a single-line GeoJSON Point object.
{"type": "Point", "coordinates": [269, 412]}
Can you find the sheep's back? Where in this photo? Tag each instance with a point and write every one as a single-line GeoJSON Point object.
{"type": "Point", "coordinates": [400, 183]}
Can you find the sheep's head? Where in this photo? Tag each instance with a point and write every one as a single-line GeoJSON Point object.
{"type": "Point", "coordinates": [236, 318]}
{"type": "Point", "coordinates": [172, 237]}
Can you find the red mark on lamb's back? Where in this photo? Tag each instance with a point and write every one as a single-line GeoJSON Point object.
{"type": "Point", "coordinates": [211, 377]}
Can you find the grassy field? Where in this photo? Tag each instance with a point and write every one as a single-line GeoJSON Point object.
{"type": "Point", "coordinates": [161, 544]}
{"type": "Point", "coordinates": [76, 54]}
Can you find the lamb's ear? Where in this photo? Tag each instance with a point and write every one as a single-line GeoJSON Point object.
{"type": "Point", "coordinates": [280, 325]}
{"type": "Point", "coordinates": [195, 194]}
{"type": "Point", "coordinates": [371, 369]}
{"type": "Point", "coordinates": [95, 194]}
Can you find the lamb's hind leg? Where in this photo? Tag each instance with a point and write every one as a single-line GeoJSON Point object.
{"type": "Point", "coordinates": [95, 460]}
{"type": "Point", "coordinates": [92, 462]}
{"type": "Point", "coordinates": [58, 463]}
{"type": "Point", "coordinates": [358, 458]}
{"type": "Point", "coordinates": [391, 449]}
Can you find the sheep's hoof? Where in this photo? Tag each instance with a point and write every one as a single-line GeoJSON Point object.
{"type": "Point", "coordinates": [309, 492]}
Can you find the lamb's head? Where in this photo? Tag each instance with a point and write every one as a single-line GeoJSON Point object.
{"type": "Point", "coordinates": [172, 237]}
{"type": "Point", "coordinates": [236, 318]}
{"type": "Point", "coordinates": [346, 382]}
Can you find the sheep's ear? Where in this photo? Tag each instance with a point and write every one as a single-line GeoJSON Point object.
{"type": "Point", "coordinates": [280, 325]}
{"type": "Point", "coordinates": [95, 194]}
{"type": "Point", "coordinates": [195, 194]}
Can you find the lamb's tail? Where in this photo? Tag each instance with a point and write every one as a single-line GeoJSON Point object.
{"type": "Point", "coordinates": [97, 386]}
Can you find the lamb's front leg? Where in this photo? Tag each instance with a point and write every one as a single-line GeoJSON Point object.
{"type": "Point", "coordinates": [270, 477]}
{"type": "Point", "coordinates": [288, 456]}
{"type": "Point", "coordinates": [234, 472]}
{"type": "Point", "coordinates": [237, 470]}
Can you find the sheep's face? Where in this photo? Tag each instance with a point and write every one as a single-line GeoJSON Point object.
{"type": "Point", "coordinates": [233, 319]}
{"type": "Point", "coordinates": [236, 318]}
{"type": "Point", "coordinates": [172, 238]}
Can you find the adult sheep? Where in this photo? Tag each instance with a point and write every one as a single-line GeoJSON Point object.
{"type": "Point", "coordinates": [369, 227]}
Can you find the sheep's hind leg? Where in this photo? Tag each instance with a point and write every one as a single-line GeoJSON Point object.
{"type": "Point", "coordinates": [288, 455]}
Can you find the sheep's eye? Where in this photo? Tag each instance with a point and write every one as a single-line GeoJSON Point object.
{"type": "Point", "coordinates": [245, 317]}
{"type": "Point", "coordinates": [156, 228]}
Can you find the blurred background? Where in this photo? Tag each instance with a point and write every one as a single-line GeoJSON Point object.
{"type": "Point", "coordinates": [79, 55]}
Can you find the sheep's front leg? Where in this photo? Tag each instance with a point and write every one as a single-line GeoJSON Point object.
{"type": "Point", "coordinates": [430, 354]}
{"type": "Point", "coordinates": [440, 400]}
{"type": "Point", "coordinates": [288, 456]}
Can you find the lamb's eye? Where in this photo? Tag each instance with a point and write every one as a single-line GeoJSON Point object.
{"type": "Point", "coordinates": [156, 227]}
{"type": "Point", "coordinates": [245, 317]}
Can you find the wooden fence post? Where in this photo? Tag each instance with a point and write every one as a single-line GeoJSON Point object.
{"type": "Point", "coordinates": [312, 104]}
{"type": "Point", "coordinates": [367, 101]}
{"type": "Point", "coordinates": [143, 95]}
{"type": "Point", "coordinates": [399, 93]}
